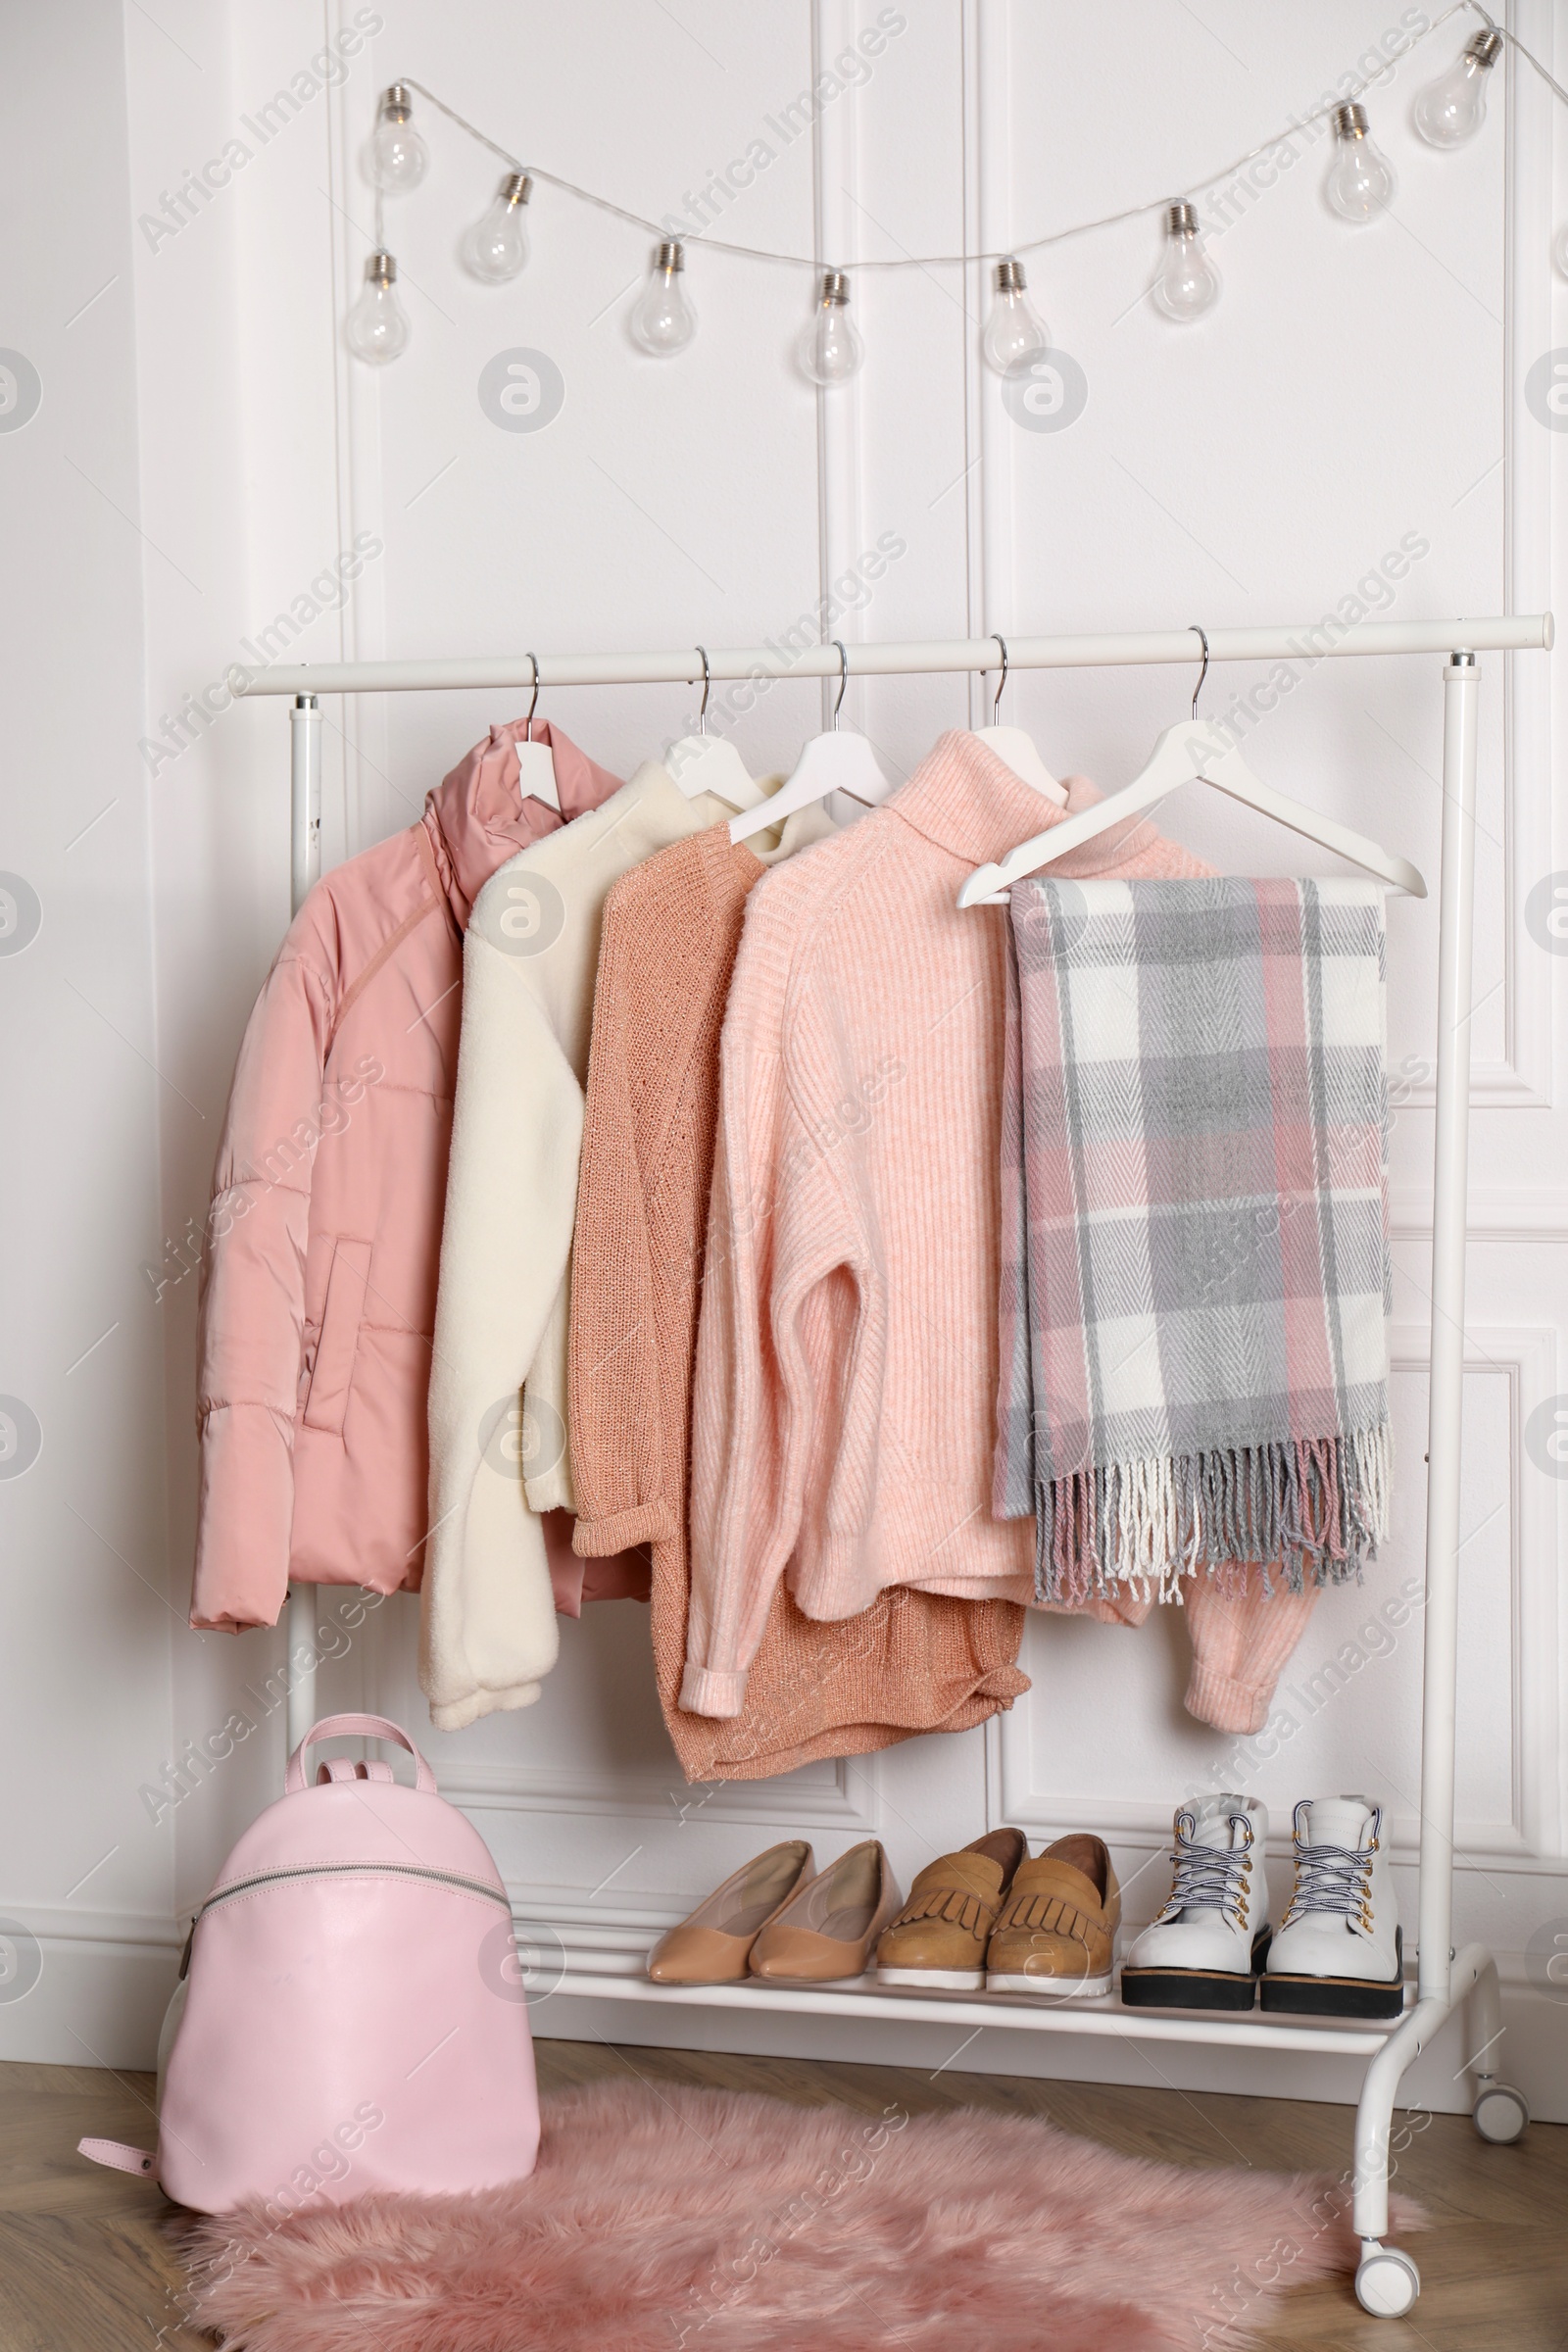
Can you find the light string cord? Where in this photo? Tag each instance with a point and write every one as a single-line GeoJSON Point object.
{"type": "Point", "coordinates": [955, 261]}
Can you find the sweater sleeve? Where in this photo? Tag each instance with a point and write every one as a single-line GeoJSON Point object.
{"type": "Point", "coordinates": [619, 1474]}
{"type": "Point", "coordinates": [487, 1618]}
{"type": "Point", "coordinates": [781, 1267]}
{"type": "Point", "coordinates": [251, 1342]}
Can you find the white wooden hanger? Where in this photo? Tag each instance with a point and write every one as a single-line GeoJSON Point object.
{"type": "Point", "coordinates": [1013, 748]}
{"type": "Point", "coordinates": [1194, 751]}
{"type": "Point", "coordinates": [536, 778]}
{"type": "Point", "coordinates": [841, 761]}
{"type": "Point", "coordinates": [704, 763]}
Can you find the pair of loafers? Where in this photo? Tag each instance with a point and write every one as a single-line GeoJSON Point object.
{"type": "Point", "coordinates": [780, 1918]}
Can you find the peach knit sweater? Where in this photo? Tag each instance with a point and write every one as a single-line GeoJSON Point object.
{"type": "Point", "coordinates": [844, 1404]}
{"type": "Point", "coordinates": [912, 1661]}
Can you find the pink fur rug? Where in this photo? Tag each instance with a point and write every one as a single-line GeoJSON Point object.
{"type": "Point", "coordinates": [664, 2219]}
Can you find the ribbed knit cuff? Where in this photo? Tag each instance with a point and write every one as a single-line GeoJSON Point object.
{"type": "Point", "coordinates": [705, 1691]}
{"type": "Point", "coordinates": [1224, 1705]}
{"type": "Point", "coordinates": [623, 1530]}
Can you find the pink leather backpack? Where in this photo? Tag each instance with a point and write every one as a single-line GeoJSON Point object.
{"type": "Point", "coordinates": [353, 2016]}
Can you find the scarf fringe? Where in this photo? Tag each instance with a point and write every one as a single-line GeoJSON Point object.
{"type": "Point", "coordinates": [1311, 1511]}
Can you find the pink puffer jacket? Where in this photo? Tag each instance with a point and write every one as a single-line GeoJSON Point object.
{"type": "Point", "coordinates": [323, 1244]}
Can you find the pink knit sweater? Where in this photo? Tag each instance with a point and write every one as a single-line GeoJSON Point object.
{"type": "Point", "coordinates": [844, 1406]}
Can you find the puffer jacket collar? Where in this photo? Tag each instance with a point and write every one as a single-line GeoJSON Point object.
{"type": "Point", "coordinates": [476, 817]}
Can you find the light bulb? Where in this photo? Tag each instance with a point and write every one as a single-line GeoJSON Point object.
{"type": "Point", "coordinates": [830, 351]}
{"type": "Point", "coordinates": [1559, 249]}
{"type": "Point", "coordinates": [1453, 108]}
{"type": "Point", "coordinates": [378, 326]}
{"type": "Point", "coordinates": [1015, 333]}
{"type": "Point", "coordinates": [1360, 183]}
{"type": "Point", "coordinates": [1187, 283]}
{"type": "Point", "coordinates": [496, 248]}
{"type": "Point", "coordinates": [663, 321]}
{"type": "Point", "coordinates": [398, 154]}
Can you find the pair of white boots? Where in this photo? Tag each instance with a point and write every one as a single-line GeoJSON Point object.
{"type": "Point", "coordinates": [1338, 1951]}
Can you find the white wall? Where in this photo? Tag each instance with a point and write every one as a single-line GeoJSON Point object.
{"type": "Point", "coordinates": [1352, 394]}
{"type": "Point", "coordinates": [85, 1585]}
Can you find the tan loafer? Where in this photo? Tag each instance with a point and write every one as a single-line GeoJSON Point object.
{"type": "Point", "coordinates": [829, 1929]}
{"type": "Point", "coordinates": [1059, 1927]}
{"type": "Point", "coordinates": [714, 1946]}
{"type": "Point", "coordinates": [938, 1941]}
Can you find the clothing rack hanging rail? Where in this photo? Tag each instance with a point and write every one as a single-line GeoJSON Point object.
{"type": "Point", "coordinates": [1448, 1980]}
{"type": "Point", "coordinates": [1498, 633]}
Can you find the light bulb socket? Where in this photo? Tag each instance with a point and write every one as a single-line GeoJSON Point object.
{"type": "Point", "coordinates": [834, 292]}
{"type": "Point", "coordinates": [381, 270]}
{"type": "Point", "coordinates": [672, 255]}
{"type": "Point", "coordinates": [1181, 220]}
{"type": "Point", "coordinates": [517, 188]}
{"type": "Point", "coordinates": [1485, 48]}
{"type": "Point", "coordinates": [396, 104]}
{"type": "Point", "coordinates": [1009, 277]}
{"type": "Point", "coordinates": [1350, 121]}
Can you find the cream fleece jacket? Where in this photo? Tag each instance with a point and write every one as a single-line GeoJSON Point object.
{"type": "Point", "coordinates": [488, 1616]}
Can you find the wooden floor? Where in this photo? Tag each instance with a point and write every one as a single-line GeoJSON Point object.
{"type": "Point", "coordinates": [85, 2264]}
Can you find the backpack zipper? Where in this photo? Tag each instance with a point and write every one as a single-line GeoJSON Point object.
{"type": "Point", "coordinates": [329, 1870]}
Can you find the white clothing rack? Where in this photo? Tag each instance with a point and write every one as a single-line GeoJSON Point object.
{"type": "Point", "coordinates": [1387, 2281]}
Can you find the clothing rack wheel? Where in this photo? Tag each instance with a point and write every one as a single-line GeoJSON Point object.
{"type": "Point", "coordinates": [1388, 2281]}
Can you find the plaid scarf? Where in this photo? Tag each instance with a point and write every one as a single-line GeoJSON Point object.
{"type": "Point", "coordinates": [1194, 1279]}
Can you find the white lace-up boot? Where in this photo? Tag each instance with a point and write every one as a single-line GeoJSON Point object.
{"type": "Point", "coordinates": [1338, 1951]}
{"type": "Point", "coordinates": [1205, 1948]}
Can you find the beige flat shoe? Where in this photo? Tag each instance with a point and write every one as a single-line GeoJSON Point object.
{"type": "Point", "coordinates": [829, 1929]}
{"type": "Point", "coordinates": [713, 1945]}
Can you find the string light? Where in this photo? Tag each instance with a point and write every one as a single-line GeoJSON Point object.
{"type": "Point", "coordinates": [663, 320]}
{"type": "Point", "coordinates": [1360, 181]}
{"type": "Point", "coordinates": [496, 248]}
{"type": "Point", "coordinates": [398, 154]}
{"type": "Point", "coordinates": [1359, 185]}
{"type": "Point", "coordinates": [378, 324]}
{"type": "Point", "coordinates": [1187, 283]}
{"type": "Point", "coordinates": [830, 351]}
{"type": "Point", "coordinates": [1014, 334]}
{"type": "Point", "coordinates": [1452, 108]}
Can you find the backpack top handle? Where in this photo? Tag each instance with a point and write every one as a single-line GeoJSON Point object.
{"type": "Point", "coordinates": [365, 1727]}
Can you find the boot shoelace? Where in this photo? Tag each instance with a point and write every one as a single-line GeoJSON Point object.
{"type": "Point", "coordinates": [1334, 1879]}
{"type": "Point", "coordinates": [1210, 1878]}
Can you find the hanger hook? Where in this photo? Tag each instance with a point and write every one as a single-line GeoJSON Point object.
{"type": "Point", "coordinates": [996, 699]}
{"type": "Point", "coordinates": [534, 704]}
{"type": "Point", "coordinates": [702, 715]}
{"type": "Point", "coordinates": [843, 681]}
{"type": "Point", "coordinates": [1202, 640]}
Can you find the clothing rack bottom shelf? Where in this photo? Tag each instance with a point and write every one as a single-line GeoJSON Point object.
{"type": "Point", "coordinates": [587, 1976]}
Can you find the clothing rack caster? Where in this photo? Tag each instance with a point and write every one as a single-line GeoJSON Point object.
{"type": "Point", "coordinates": [305, 866]}
{"type": "Point", "coordinates": [1386, 2281]}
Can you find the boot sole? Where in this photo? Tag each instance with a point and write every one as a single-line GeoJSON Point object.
{"type": "Point", "coordinates": [1186, 1989]}
{"type": "Point", "coordinates": [1338, 1996]}
{"type": "Point", "coordinates": [1195, 1988]}
{"type": "Point", "coordinates": [933, 1980]}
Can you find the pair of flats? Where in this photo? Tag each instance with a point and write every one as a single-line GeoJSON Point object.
{"type": "Point", "coordinates": [781, 1918]}
{"type": "Point", "coordinates": [1337, 1952]}
{"type": "Point", "coordinates": [990, 1919]}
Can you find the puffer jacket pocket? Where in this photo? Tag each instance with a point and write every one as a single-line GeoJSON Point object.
{"type": "Point", "coordinates": [327, 1399]}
